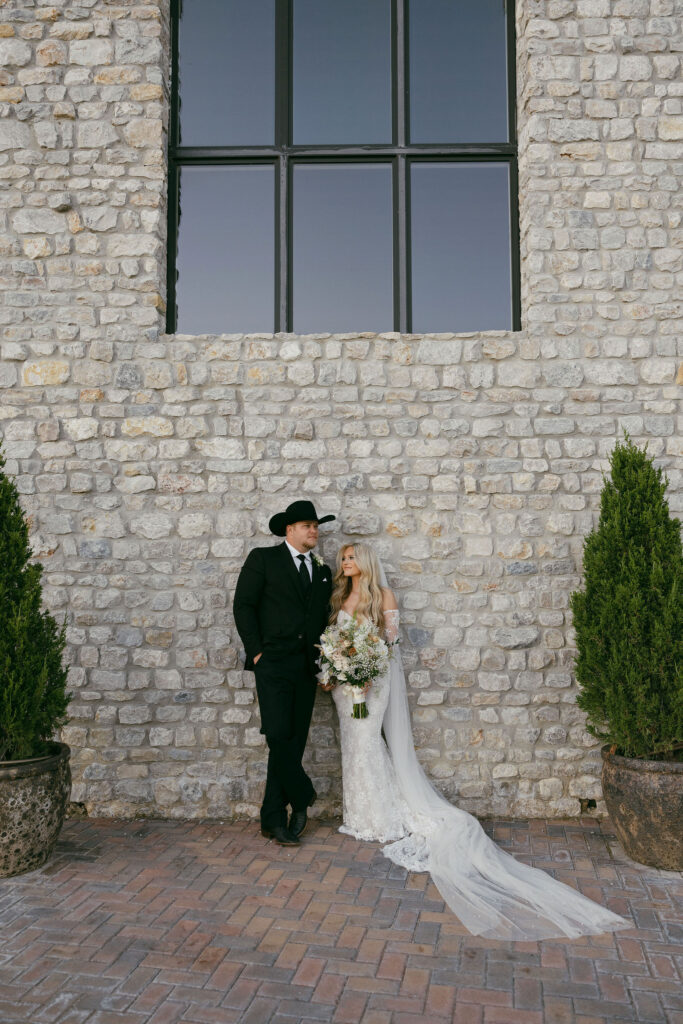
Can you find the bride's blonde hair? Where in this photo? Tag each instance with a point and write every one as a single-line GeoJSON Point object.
{"type": "Point", "coordinates": [371, 600]}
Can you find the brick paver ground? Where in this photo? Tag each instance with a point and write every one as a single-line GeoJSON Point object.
{"type": "Point", "coordinates": [207, 923]}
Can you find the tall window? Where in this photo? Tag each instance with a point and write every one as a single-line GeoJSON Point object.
{"type": "Point", "coordinates": [343, 166]}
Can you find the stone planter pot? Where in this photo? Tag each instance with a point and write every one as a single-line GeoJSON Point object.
{"type": "Point", "coordinates": [34, 796]}
{"type": "Point", "coordinates": [645, 802]}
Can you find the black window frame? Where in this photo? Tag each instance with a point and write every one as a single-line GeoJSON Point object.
{"type": "Point", "coordinates": [284, 156]}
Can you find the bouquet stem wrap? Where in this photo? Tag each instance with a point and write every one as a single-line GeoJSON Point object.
{"type": "Point", "coordinates": [360, 708]}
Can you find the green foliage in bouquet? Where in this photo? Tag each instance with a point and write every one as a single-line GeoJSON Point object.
{"type": "Point", "coordinates": [629, 618]}
{"type": "Point", "coordinates": [33, 697]}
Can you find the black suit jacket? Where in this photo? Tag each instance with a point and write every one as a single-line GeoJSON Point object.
{"type": "Point", "coordinates": [273, 612]}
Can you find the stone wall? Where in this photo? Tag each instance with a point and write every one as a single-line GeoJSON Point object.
{"type": "Point", "coordinates": [151, 464]}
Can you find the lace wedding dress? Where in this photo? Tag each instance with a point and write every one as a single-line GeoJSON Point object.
{"type": "Point", "coordinates": [388, 798]}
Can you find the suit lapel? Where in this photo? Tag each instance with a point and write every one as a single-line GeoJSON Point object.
{"type": "Point", "coordinates": [316, 589]}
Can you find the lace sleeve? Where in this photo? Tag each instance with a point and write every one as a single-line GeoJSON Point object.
{"type": "Point", "coordinates": [391, 625]}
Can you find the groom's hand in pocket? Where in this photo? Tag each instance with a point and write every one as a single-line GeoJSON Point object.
{"type": "Point", "coordinates": [256, 659]}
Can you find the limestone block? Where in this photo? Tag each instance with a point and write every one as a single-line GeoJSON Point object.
{"type": "Point", "coordinates": [132, 245]}
{"type": "Point", "coordinates": [14, 53]}
{"type": "Point", "coordinates": [361, 524]}
{"type": "Point", "coordinates": [221, 448]}
{"type": "Point", "coordinates": [523, 375]}
{"type": "Point", "coordinates": [515, 637]}
{"type": "Point", "coordinates": [560, 130]}
{"type": "Point", "coordinates": [36, 248]}
{"type": "Point", "coordinates": [143, 131]}
{"type": "Point", "coordinates": [160, 736]}
{"type": "Point", "coordinates": [99, 218]}
{"type": "Point", "coordinates": [132, 51]}
{"type": "Point", "coordinates": [666, 66]}
{"type": "Point", "coordinates": [605, 66]}
{"type": "Point", "coordinates": [586, 786]}
{"type": "Point", "coordinates": [547, 67]}
{"type": "Point", "coordinates": [514, 716]}
{"type": "Point", "coordinates": [236, 715]}
{"type": "Point", "coordinates": [134, 714]}
{"type": "Point", "coordinates": [234, 524]}
{"type": "Point", "coordinates": [610, 371]}
{"type": "Point", "coordinates": [82, 428]}
{"type": "Point", "coordinates": [81, 483]}
{"type": "Point", "coordinates": [664, 151]}
{"type": "Point", "coordinates": [436, 352]}
{"type": "Point", "coordinates": [566, 375]}
{"type": "Point", "coordinates": [94, 134]}
{"type": "Point", "coordinates": [91, 52]}
{"type": "Point", "coordinates": [44, 373]}
{"type": "Point", "coordinates": [635, 68]}
{"type": "Point", "coordinates": [104, 524]}
{"type": "Point", "coordinates": [658, 371]}
{"type": "Point", "coordinates": [550, 789]}
{"type": "Point", "coordinates": [303, 450]}
{"type": "Point", "coordinates": [8, 376]}
{"type": "Point", "coordinates": [50, 53]}
{"type": "Point", "coordinates": [37, 221]}
{"type": "Point", "coordinates": [424, 448]}
{"type": "Point", "coordinates": [158, 426]}
{"type": "Point", "coordinates": [157, 375]}
{"type": "Point", "coordinates": [494, 681]}
{"type": "Point", "coordinates": [195, 524]}
{"type": "Point", "coordinates": [553, 425]}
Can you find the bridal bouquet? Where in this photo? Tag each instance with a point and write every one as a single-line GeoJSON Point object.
{"type": "Point", "coordinates": [352, 654]}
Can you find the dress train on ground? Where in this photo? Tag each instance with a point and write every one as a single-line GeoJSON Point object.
{"type": "Point", "coordinates": [388, 798]}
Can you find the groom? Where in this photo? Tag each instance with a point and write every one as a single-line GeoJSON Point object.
{"type": "Point", "coordinates": [281, 608]}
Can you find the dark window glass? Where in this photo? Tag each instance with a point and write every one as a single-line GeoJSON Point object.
{"type": "Point", "coordinates": [342, 231]}
{"type": "Point", "coordinates": [227, 73]}
{"type": "Point", "coordinates": [225, 253]}
{"type": "Point", "coordinates": [458, 71]}
{"type": "Point", "coordinates": [460, 247]}
{"type": "Point", "coordinates": [345, 165]}
{"type": "Point", "coordinates": [342, 71]}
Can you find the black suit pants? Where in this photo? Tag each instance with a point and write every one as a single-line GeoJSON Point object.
{"type": "Point", "coordinates": [285, 687]}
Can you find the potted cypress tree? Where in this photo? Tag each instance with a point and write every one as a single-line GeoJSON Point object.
{"type": "Point", "coordinates": [35, 778]}
{"type": "Point", "coordinates": [629, 636]}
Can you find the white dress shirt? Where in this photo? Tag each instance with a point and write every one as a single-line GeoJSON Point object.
{"type": "Point", "coordinates": [308, 562]}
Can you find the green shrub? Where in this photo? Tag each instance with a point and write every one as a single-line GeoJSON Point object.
{"type": "Point", "coordinates": [629, 618]}
{"type": "Point", "coordinates": [33, 698]}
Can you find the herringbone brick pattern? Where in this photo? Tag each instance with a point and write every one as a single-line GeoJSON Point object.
{"type": "Point", "coordinates": [207, 923]}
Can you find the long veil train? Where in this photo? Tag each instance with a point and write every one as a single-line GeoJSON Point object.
{"type": "Point", "coordinates": [492, 893]}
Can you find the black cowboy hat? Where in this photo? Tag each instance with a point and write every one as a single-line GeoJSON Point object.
{"type": "Point", "coordinates": [297, 512]}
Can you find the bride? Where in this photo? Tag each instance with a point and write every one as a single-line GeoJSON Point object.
{"type": "Point", "coordinates": [388, 798]}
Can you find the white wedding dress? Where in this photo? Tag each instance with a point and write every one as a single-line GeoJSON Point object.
{"type": "Point", "coordinates": [388, 798]}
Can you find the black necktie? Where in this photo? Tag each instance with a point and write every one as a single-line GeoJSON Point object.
{"type": "Point", "coordinates": [303, 572]}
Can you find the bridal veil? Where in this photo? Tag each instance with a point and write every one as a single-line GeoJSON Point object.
{"type": "Point", "coordinates": [492, 893]}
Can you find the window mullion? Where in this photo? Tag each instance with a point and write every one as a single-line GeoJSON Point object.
{"type": "Point", "coordinates": [172, 247]}
{"type": "Point", "coordinates": [401, 246]}
{"type": "Point", "coordinates": [514, 247]}
{"type": "Point", "coordinates": [283, 78]}
{"type": "Point", "coordinates": [400, 114]}
{"type": "Point", "coordinates": [400, 72]}
{"type": "Point", "coordinates": [173, 211]}
{"type": "Point", "coordinates": [283, 119]}
{"type": "Point", "coordinates": [282, 246]}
